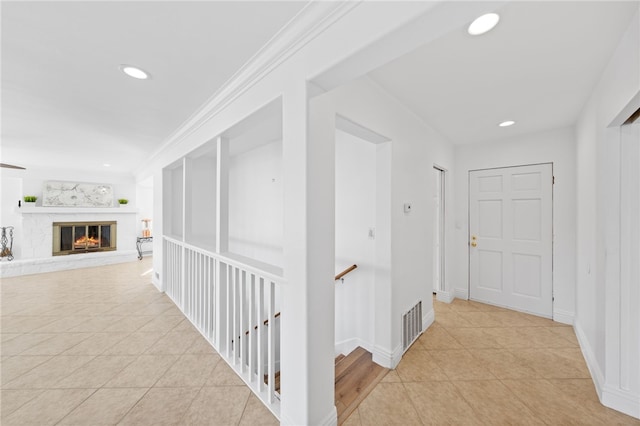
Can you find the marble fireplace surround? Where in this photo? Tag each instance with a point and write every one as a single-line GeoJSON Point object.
{"type": "Point", "coordinates": [37, 239]}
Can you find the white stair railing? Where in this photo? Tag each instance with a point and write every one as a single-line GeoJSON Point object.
{"type": "Point", "coordinates": [233, 305]}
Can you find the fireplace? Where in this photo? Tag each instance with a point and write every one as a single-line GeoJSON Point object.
{"type": "Point", "coordinates": [83, 237]}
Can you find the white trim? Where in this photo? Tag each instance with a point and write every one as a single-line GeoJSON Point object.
{"type": "Point", "coordinates": [427, 320]}
{"type": "Point", "coordinates": [20, 267]}
{"type": "Point", "coordinates": [461, 293]}
{"type": "Point", "coordinates": [624, 401]}
{"type": "Point", "coordinates": [564, 317]}
{"type": "Point", "coordinates": [331, 419]}
{"type": "Point", "coordinates": [590, 359]}
{"type": "Point", "coordinates": [157, 282]}
{"type": "Point", "coordinates": [309, 23]}
{"type": "Point", "coordinates": [617, 399]}
{"type": "Point", "coordinates": [444, 296]}
{"type": "Point", "coordinates": [383, 357]}
{"type": "Point", "coordinates": [74, 210]}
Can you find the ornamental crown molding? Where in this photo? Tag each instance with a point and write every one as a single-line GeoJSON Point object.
{"type": "Point", "coordinates": [314, 19]}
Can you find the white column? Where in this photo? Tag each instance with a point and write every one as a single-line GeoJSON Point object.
{"type": "Point", "coordinates": [159, 182]}
{"type": "Point", "coordinates": [222, 339]}
{"type": "Point", "coordinates": [307, 323]}
{"type": "Point", "coordinates": [222, 195]}
{"type": "Point", "coordinates": [187, 202]}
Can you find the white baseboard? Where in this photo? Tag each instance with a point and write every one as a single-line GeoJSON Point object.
{"type": "Point", "coordinates": [617, 399]}
{"type": "Point", "coordinates": [444, 296]}
{"type": "Point", "coordinates": [62, 263]}
{"type": "Point", "coordinates": [156, 282]}
{"type": "Point", "coordinates": [383, 357]}
{"type": "Point", "coordinates": [331, 419]}
{"type": "Point", "coordinates": [620, 400]}
{"type": "Point", "coordinates": [590, 359]}
{"type": "Point", "coordinates": [428, 319]}
{"type": "Point", "coordinates": [564, 317]}
{"type": "Point", "coordinates": [461, 293]}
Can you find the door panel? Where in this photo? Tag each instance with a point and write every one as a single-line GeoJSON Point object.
{"type": "Point", "coordinates": [510, 241]}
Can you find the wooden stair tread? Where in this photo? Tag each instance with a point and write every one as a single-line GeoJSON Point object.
{"type": "Point", "coordinates": [343, 366]}
{"type": "Point", "coordinates": [340, 358]}
{"type": "Point", "coordinates": [356, 376]}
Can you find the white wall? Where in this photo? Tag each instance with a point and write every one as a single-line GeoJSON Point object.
{"type": "Point", "coordinates": [554, 146]}
{"type": "Point", "coordinates": [14, 184]}
{"type": "Point", "coordinates": [320, 39]}
{"type": "Point", "coordinates": [200, 226]}
{"type": "Point", "coordinates": [173, 201]}
{"type": "Point", "coordinates": [600, 300]}
{"type": "Point", "coordinates": [355, 215]}
{"type": "Point", "coordinates": [144, 203]}
{"type": "Point", "coordinates": [415, 148]}
{"type": "Point", "coordinates": [11, 193]}
{"type": "Point", "coordinates": [256, 204]}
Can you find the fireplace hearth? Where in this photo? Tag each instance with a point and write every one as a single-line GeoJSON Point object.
{"type": "Point", "coordinates": [83, 237]}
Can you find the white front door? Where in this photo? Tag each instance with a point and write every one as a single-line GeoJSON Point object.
{"type": "Point", "coordinates": [510, 237]}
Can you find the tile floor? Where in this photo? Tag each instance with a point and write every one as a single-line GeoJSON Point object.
{"type": "Point", "coordinates": [483, 365]}
{"type": "Point", "coordinates": [101, 346]}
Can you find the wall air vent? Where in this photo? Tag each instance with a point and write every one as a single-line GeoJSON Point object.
{"type": "Point", "coordinates": [411, 326]}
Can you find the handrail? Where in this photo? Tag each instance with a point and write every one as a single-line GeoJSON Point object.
{"type": "Point", "coordinates": [345, 272]}
{"type": "Point", "coordinates": [276, 277]}
{"type": "Point", "coordinates": [265, 322]}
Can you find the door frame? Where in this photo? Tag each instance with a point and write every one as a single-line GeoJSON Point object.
{"type": "Point", "coordinates": [442, 226]}
{"type": "Point", "coordinates": [553, 240]}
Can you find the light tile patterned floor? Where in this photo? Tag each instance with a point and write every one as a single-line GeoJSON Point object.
{"type": "Point", "coordinates": [101, 346]}
{"type": "Point", "coordinates": [483, 365]}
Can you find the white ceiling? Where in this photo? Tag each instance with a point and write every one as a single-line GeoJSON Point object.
{"type": "Point", "coordinates": [537, 67]}
{"type": "Point", "coordinates": [65, 102]}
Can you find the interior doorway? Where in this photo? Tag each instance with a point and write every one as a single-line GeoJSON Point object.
{"type": "Point", "coordinates": [510, 237]}
{"type": "Point", "coordinates": [439, 175]}
{"type": "Point", "coordinates": [362, 233]}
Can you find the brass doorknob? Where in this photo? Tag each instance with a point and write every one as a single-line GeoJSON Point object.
{"type": "Point", "coordinates": [474, 244]}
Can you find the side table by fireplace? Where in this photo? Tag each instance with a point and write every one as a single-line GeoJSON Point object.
{"type": "Point", "coordinates": [7, 243]}
{"type": "Point", "coordinates": [139, 241]}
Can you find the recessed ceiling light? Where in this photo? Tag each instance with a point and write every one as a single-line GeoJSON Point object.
{"type": "Point", "coordinates": [107, 165]}
{"type": "Point", "coordinates": [134, 72]}
{"type": "Point", "coordinates": [507, 123]}
{"type": "Point", "coordinates": [483, 24]}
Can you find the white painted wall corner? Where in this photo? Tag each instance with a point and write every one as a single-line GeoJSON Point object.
{"type": "Point", "coordinates": [445, 296]}
{"type": "Point", "coordinates": [461, 293]}
{"type": "Point", "coordinates": [383, 357]}
{"type": "Point", "coordinates": [621, 400]}
{"type": "Point", "coordinates": [564, 317]}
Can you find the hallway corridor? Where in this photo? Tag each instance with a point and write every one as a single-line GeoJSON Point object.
{"type": "Point", "coordinates": [103, 346]}
{"type": "Point", "coordinates": [483, 365]}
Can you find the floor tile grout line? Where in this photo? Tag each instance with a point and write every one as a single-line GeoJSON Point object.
{"type": "Point", "coordinates": [524, 401]}
{"type": "Point", "coordinates": [246, 404]}
{"type": "Point", "coordinates": [413, 405]}
{"type": "Point", "coordinates": [2, 413]}
{"type": "Point", "coordinates": [52, 357]}
{"type": "Point", "coordinates": [132, 405]}
{"type": "Point", "coordinates": [76, 406]}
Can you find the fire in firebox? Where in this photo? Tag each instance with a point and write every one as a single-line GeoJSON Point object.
{"type": "Point", "coordinates": [88, 242]}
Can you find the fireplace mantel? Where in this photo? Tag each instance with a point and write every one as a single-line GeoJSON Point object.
{"type": "Point", "coordinates": [74, 210]}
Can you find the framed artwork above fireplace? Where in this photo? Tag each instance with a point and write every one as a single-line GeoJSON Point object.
{"type": "Point", "coordinates": [70, 194]}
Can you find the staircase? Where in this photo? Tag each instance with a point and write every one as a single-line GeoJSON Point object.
{"type": "Point", "coordinates": [355, 377]}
